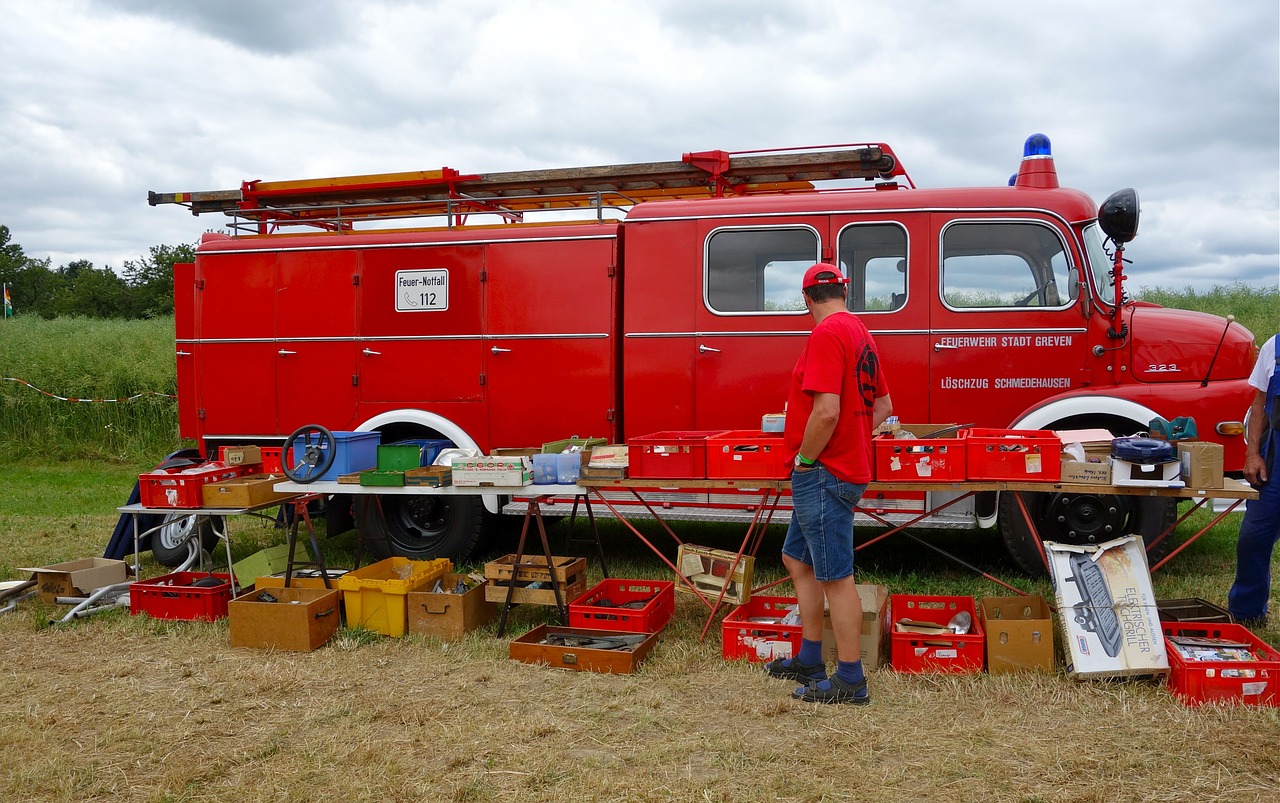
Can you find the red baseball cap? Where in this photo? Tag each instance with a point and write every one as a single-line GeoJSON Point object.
{"type": "Point", "coordinates": [811, 276]}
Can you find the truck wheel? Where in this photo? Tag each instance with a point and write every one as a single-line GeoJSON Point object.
{"type": "Point", "coordinates": [423, 527]}
{"type": "Point", "coordinates": [169, 543]}
{"type": "Point", "coordinates": [1083, 519]}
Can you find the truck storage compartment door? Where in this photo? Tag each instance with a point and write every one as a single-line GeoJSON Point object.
{"type": "Point", "coordinates": [549, 344]}
{"type": "Point", "coordinates": [420, 328]}
{"type": "Point", "coordinates": [235, 333]}
{"type": "Point", "coordinates": [186, 348]}
{"type": "Point", "coordinates": [315, 341]}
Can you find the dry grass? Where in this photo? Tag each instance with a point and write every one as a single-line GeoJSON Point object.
{"type": "Point", "coordinates": [127, 708]}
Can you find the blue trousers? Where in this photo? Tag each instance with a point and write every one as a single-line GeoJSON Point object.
{"type": "Point", "coordinates": [1258, 535]}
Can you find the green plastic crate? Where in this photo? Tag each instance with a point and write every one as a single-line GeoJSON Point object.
{"type": "Point", "coordinates": [380, 477]}
{"type": "Point", "coordinates": [399, 456]}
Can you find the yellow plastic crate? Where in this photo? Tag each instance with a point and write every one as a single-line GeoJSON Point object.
{"type": "Point", "coordinates": [376, 596]}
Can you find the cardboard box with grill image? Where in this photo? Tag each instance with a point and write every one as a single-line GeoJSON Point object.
{"type": "Point", "coordinates": [1107, 609]}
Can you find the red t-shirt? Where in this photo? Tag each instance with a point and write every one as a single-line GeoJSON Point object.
{"type": "Point", "coordinates": [839, 357]}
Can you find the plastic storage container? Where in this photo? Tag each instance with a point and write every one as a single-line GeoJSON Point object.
{"type": "Point", "coordinates": [650, 604]}
{"type": "Point", "coordinates": [746, 454]}
{"type": "Point", "coordinates": [1256, 682]}
{"type": "Point", "coordinates": [669, 455]}
{"type": "Point", "coordinates": [755, 630]}
{"type": "Point", "coordinates": [174, 596]}
{"type": "Point", "coordinates": [354, 451]}
{"type": "Point", "coordinates": [1026, 455]}
{"type": "Point", "coordinates": [376, 595]}
{"type": "Point", "coordinates": [545, 468]}
{"type": "Point", "coordinates": [943, 653]}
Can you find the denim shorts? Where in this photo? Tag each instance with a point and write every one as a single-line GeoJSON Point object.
{"type": "Point", "coordinates": [821, 529]}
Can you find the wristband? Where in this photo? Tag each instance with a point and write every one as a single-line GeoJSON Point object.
{"type": "Point", "coordinates": [801, 460]}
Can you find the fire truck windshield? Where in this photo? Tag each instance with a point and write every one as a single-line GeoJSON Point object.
{"type": "Point", "coordinates": [1099, 264]}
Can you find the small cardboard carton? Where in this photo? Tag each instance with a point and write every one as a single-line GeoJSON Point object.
{"type": "Point", "coordinates": [1088, 473]}
{"type": "Point", "coordinates": [1019, 633]}
{"type": "Point", "coordinates": [608, 462]}
{"type": "Point", "coordinates": [874, 642]}
{"type": "Point", "coordinates": [298, 619]}
{"type": "Point", "coordinates": [241, 455]}
{"type": "Point", "coordinates": [1107, 609]}
{"type": "Point", "coordinates": [77, 578]}
{"type": "Point", "coordinates": [473, 472]}
{"type": "Point", "coordinates": [1201, 464]}
{"type": "Point", "coordinates": [447, 614]}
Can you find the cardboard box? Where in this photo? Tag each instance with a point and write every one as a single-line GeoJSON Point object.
{"type": "Point", "coordinates": [447, 615]}
{"type": "Point", "coordinates": [300, 619]}
{"type": "Point", "coordinates": [241, 455]}
{"type": "Point", "coordinates": [431, 476]}
{"type": "Point", "coordinates": [1156, 475]}
{"type": "Point", "coordinates": [608, 462]}
{"type": "Point", "coordinates": [243, 492]}
{"type": "Point", "coordinates": [1019, 633]}
{"type": "Point", "coordinates": [875, 636]}
{"type": "Point", "coordinates": [709, 571]}
{"type": "Point", "coordinates": [1075, 472]}
{"type": "Point", "coordinates": [1200, 464]}
{"type": "Point", "coordinates": [1107, 609]}
{"type": "Point", "coordinates": [474, 472]}
{"type": "Point", "coordinates": [77, 578]}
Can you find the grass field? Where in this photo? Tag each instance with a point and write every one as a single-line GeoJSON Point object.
{"type": "Point", "coordinates": [127, 708]}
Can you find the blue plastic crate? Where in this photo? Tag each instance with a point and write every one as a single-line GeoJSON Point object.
{"type": "Point", "coordinates": [431, 448]}
{"type": "Point", "coordinates": [355, 451]}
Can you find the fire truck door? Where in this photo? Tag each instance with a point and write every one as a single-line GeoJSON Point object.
{"type": "Point", "coordinates": [235, 343]}
{"type": "Point", "coordinates": [549, 365]}
{"type": "Point", "coordinates": [752, 322]}
{"type": "Point", "coordinates": [420, 330]}
{"type": "Point", "coordinates": [1005, 329]}
{"type": "Point", "coordinates": [315, 343]}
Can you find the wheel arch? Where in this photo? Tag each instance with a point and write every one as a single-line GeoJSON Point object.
{"type": "Point", "coordinates": [435, 423]}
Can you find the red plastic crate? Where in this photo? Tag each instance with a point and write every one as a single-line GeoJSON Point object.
{"type": "Point", "coordinates": [173, 597]}
{"type": "Point", "coordinates": [659, 599]}
{"type": "Point", "coordinates": [919, 459]}
{"type": "Point", "coordinates": [179, 489]}
{"type": "Point", "coordinates": [746, 454]}
{"type": "Point", "coordinates": [1195, 682]}
{"type": "Point", "coordinates": [1025, 455]}
{"type": "Point", "coordinates": [760, 641]}
{"type": "Point", "coordinates": [669, 455]}
{"type": "Point", "coordinates": [947, 653]}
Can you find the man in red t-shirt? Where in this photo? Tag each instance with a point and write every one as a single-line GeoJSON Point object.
{"type": "Point", "coordinates": [838, 395]}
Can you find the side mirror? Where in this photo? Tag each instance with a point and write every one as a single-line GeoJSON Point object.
{"type": "Point", "coordinates": [1118, 215]}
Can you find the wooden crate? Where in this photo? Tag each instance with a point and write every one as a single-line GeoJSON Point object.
{"type": "Point", "coordinates": [300, 619]}
{"type": "Point", "coordinates": [534, 568]}
{"type": "Point", "coordinates": [242, 492]}
{"type": "Point", "coordinates": [570, 589]}
{"type": "Point", "coordinates": [433, 476]}
{"type": "Point", "coordinates": [446, 615]}
{"type": "Point", "coordinates": [529, 649]}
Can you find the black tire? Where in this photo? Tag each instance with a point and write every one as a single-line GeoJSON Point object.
{"type": "Point", "coordinates": [422, 527]}
{"type": "Point", "coordinates": [1083, 519]}
{"type": "Point", "coordinates": [169, 543]}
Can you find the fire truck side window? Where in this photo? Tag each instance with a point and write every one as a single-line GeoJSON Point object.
{"type": "Point", "coordinates": [874, 257]}
{"type": "Point", "coordinates": [988, 265]}
{"type": "Point", "coordinates": [758, 270]}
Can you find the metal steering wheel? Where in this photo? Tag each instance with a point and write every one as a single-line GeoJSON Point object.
{"type": "Point", "coordinates": [315, 449]}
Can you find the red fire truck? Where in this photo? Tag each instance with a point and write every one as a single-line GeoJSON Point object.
{"type": "Point", "coordinates": [513, 309]}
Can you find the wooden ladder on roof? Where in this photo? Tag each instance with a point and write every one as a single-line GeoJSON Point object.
{"type": "Point", "coordinates": [334, 204]}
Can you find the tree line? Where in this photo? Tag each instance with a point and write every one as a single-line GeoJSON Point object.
{"type": "Point", "coordinates": [143, 288]}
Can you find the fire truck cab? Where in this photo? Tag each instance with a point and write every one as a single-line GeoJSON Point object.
{"type": "Point", "coordinates": [441, 305]}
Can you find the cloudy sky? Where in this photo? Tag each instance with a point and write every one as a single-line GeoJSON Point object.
{"type": "Point", "coordinates": [103, 100]}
